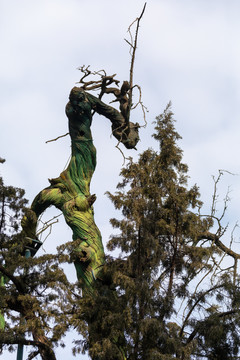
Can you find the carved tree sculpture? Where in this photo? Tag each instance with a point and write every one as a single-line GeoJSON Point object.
{"type": "Point", "coordinates": [70, 191]}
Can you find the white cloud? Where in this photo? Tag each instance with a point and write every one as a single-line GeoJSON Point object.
{"type": "Point", "coordinates": [188, 52]}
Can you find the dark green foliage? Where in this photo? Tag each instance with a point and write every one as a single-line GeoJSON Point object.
{"type": "Point", "coordinates": [35, 296]}
{"type": "Point", "coordinates": [163, 264]}
{"type": "Point", "coordinates": [157, 234]}
{"type": "Point", "coordinates": [169, 294]}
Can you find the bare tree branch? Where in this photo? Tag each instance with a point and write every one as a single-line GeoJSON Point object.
{"type": "Point", "coordinates": [48, 224]}
{"type": "Point", "coordinates": [134, 48]}
{"type": "Point", "coordinates": [220, 315]}
{"type": "Point", "coordinates": [19, 285]}
{"type": "Point", "coordinates": [61, 136]}
{"type": "Point", "coordinates": [195, 304]}
{"type": "Point", "coordinates": [45, 350]}
{"type": "Point", "coordinates": [213, 237]}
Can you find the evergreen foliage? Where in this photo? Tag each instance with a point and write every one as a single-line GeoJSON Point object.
{"type": "Point", "coordinates": [165, 296]}
{"type": "Point", "coordinates": [35, 297]}
{"type": "Point", "coordinates": [168, 295]}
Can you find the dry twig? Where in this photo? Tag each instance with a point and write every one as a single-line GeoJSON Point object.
{"type": "Point", "coordinates": [61, 136]}
{"type": "Point", "coordinates": [133, 48]}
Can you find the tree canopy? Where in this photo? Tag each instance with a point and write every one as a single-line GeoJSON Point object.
{"type": "Point", "coordinates": [167, 295]}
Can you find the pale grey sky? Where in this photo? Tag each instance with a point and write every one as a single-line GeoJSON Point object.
{"type": "Point", "coordinates": [188, 52]}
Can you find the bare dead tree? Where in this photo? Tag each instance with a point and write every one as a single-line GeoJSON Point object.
{"type": "Point", "coordinates": [124, 94]}
{"type": "Point", "coordinates": [108, 84]}
{"type": "Point", "coordinates": [133, 48]}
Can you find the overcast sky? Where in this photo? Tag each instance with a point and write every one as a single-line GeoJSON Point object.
{"type": "Point", "coordinates": [188, 52]}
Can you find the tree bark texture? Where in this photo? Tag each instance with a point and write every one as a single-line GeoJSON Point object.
{"type": "Point", "coordinates": [70, 192]}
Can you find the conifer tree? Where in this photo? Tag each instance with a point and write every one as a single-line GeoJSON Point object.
{"type": "Point", "coordinates": [167, 295]}
{"type": "Point", "coordinates": [35, 296]}
{"type": "Point", "coordinates": [153, 302]}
